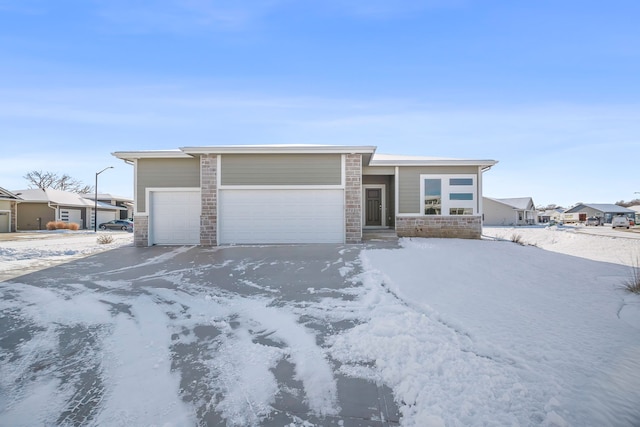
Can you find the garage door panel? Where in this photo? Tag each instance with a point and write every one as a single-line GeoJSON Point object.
{"type": "Point", "coordinates": [175, 217]}
{"type": "Point", "coordinates": [281, 216]}
{"type": "Point", "coordinates": [104, 216]}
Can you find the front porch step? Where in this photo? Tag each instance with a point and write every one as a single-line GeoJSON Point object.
{"type": "Point", "coordinates": [379, 234]}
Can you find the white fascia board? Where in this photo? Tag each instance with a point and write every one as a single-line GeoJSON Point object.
{"type": "Point", "coordinates": [160, 154]}
{"type": "Point", "coordinates": [436, 162]}
{"type": "Point", "coordinates": [280, 149]}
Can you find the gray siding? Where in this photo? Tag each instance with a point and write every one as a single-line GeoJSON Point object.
{"type": "Point", "coordinates": [379, 170]}
{"type": "Point", "coordinates": [165, 173]}
{"type": "Point", "coordinates": [409, 184]}
{"type": "Point", "coordinates": [281, 169]}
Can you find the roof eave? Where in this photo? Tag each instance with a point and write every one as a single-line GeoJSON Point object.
{"type": "Point", "coordinates": [135, 155]}
{"type": "Point", "coordinates": [280, 149]}
{"type": "Point", "coordinates": [485, 164]}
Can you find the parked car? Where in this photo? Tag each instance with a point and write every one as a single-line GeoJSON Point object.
{"type": "Point", "coordinates": [117, 224]}
{"type": "Point", "coordinates": [594, 220]}
{"type": "Point", "coordinates": [620, 221]}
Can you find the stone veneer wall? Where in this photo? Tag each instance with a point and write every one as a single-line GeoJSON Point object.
{"type": "Point", "coordinates": [13, 207]}
{"type": "Point", "coordinates": [461, 227]}
{"type": "Point", "coordinates": [353, 198]}
{"type": "Point", "coordinates": [209, 195]}
{"type": "Point", "coordinates": [140, 230]}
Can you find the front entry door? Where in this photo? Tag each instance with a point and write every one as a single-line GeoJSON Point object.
{"type": "Point", "coordinates": [373, 197]}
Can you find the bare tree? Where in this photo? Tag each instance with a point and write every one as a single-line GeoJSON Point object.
{"type": "Point", "coordinates": [627, 204]}
{"type": "Point", "coordinates": [45, 179]}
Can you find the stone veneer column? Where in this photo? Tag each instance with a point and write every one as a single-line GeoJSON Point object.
{"type": "Point", "coordinates": [209, 199]}
{"type": "Point", "coordinates": [353, 198]}
{"type": "Point", "coordinates": [140, 230]}
{"type": "Point", "coordinates": [13, 227]}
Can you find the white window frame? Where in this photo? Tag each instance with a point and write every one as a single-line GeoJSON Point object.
{"type": "Point", "coordinates": [447, 189]}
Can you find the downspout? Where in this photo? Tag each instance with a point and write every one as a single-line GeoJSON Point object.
{"type": "Point", "coordinates": [55, 215]}
{"type": "Point", "coordinates": [480, 211]}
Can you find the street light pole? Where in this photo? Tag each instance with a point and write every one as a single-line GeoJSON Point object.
{"type": "Point", "coordinates": [95, 201]}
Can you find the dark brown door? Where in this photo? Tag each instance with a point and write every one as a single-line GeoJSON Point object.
{"type": "Point", "coordinates": [374, 206]}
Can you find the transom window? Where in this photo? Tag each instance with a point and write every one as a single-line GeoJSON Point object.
{"type": "Point", "coordinates": [448, 194]}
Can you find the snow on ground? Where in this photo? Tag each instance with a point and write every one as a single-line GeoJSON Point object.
{"type": "Point", "coordinates": [465, 332]}
{"type": "Point", "coordinates": [493, 333]}
{"type": "Point", "coordinates": [37, 250]}
{"type": "Point", "coordinates": [624, 248]}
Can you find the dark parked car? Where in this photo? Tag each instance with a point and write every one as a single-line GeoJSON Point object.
{"type": "Point", "coordinates": [117, 224]}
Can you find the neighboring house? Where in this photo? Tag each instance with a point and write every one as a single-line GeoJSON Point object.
{"type": "Point", "coordinates": [601, 210]}
{"type": "Point", "coordinates": [38, 207]}
{"type": "Point", "coordinates": [110, 199]}
{"type": "Point", "coordinates": [636, 209]}
{"type": "Point", "coordinates": [300, 194]}
{"type": "Point", "coordinates": [549, 215]}
{"type": "Point", "coordinates": [8, 212]}
{"type": "Point", "coordinates": [512, 211]}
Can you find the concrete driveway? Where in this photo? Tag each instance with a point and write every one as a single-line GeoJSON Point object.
{"type": "Point", "coordinates": [175, 335]}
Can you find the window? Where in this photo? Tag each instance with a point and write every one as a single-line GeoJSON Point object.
{"type": "Point", "coordinates": [460, 211]}
{"type": "Point", "coordinates": [445, 194]}
{"type": "Point", "coordinates": [432, 197]}
{"type": "Point", "coordinates": [460, 181]}
{"type": "Point", "coordinates": [461, 196]}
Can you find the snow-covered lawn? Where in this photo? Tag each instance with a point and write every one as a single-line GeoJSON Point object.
{"type": "Point", "coordinates": [465, 333]}
{"type": "Point", "coordinates": [616, 246]}
{"type": "Point", "coordinates": [36, 250]}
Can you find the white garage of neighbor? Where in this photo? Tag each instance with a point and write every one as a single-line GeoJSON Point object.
{"type": "Point", "coordinates": [281, 216]}
{"type": "Point", "coordinates": [174, 216]}
{"type": "Point", "coordinates": [71, 215]}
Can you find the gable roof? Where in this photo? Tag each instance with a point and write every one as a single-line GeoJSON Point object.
{"type": "Point", "coordinates": [602, 207]}
{"type": "Point", "coordinates": [60, 198]}
{"type": "Point", "coordinates": [8, 195]}
{"type": "Point", "coordinates": [521, 203]}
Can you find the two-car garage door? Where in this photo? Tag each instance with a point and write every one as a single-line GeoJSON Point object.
{"type": "Point", "coordinates": [281, 216]}
{"type": "Point", "coordinates": [252, 216]}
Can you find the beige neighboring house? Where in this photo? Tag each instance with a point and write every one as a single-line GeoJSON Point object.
{"type": "Point", "coordinates": [38, 207]}
{"type": "Point", "coordinates": [510, 212]}
{"type": "Point", "coordinates": [269, 194]}
{"type": "Point", "coordinates": [550, 215]}
{"type": "Point", "coordinates": [8, 211]}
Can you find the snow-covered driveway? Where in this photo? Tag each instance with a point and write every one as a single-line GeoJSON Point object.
{"type": "Point", "coordinates": [427, 333]}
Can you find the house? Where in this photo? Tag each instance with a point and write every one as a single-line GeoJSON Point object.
{"type": "Point", "coordinates": [549, 215]}
{"type": "Point", "coordinates": [8, 203]}
{"type": "Point", "coordinates": [38, 207]}
{"type": "Point", "coordinates": [601, 210]}
{"type": "Point", "coordinates": [636, 209]}
{"type": "Point", "coordinates": [300, 194]}
{"type": "Point", "coordinates": [512, 211]}
{"type": "Point", "coordinates": [123, 202]}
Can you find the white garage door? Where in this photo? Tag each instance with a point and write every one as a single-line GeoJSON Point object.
{"type": "Point", "coordinates": [174, 218]}
{"type": "Point", "coordinates": [104, 216]}
{"type": "Point", "coordinates": [281, 216]}
{"type": "Point", "coordinates": [4, 222]}
{"type": "Point", "coordinates": [71, 215]}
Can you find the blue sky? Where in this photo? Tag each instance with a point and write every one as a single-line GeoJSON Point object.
{"type": "Point", "coordinates": [549, 89]}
